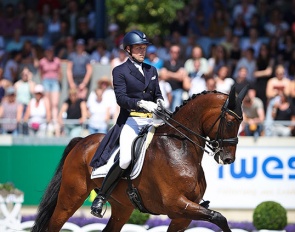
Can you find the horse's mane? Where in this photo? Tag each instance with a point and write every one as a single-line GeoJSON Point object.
{"type": "Point", "coordinates": [193, 97]}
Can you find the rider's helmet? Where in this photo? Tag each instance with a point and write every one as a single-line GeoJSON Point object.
{"type": "Point", "coordinates": [135, 37]}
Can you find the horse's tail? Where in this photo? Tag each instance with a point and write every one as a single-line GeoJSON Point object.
{"type": "Point", "coordinates": [49, 199]}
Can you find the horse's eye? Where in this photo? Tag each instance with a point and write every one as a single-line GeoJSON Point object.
{"type": "Point", "coordinates": [229, 124]}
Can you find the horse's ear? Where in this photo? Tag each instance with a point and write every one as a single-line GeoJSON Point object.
{"type": "Point", "coordinates": [242, 94]}
{"type": "Point", "coordinates": [232, 99]}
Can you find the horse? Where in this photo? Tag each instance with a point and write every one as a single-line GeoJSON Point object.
{"type": "Point", "coordinates": [171, 182]}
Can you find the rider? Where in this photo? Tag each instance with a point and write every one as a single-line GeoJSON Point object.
{"type": "Point", "coordinates": [137, 90]}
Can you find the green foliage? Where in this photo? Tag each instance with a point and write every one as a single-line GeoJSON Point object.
{"type": "Point", "coordinates": [138, 218]}
{"type": "Point", "coordinates": [152, 17]}
{"type": "Point", "coordinates": [270, 215]}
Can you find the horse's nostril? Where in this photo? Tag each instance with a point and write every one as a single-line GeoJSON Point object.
{"type": "Point", "coordinates": [228, 161]}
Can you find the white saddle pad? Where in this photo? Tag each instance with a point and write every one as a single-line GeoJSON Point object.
{"type": "Point", "coordinates": [103, 170]}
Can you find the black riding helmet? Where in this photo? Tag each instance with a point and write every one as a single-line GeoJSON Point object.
{"type": "Point", "coordinates": [132, 38]}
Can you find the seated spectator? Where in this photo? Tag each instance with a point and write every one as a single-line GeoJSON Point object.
{"type": "Point", "coordinates": [120, 59]}
{"type": "Point", "coordinates": [217, 23]}
{"type": "Point", "coordinates": [223, 81]}
{"type": "Point", "coordinates": [99, 114]}
{"type": "Point", "coordinates": [79, 69]}
{"type": "Point", "coordinates": [152, 57]}
{"type": "Point", "coordinates": [292, 91]}
{"type": "Point", "coordinates": [210, 84]}
{"type": "Point", "coordinates": [276, 26]}
{"type": "Point", "coordinates": [246, 9]}
{"type": "Point", "coordinates": [197, 53]}
{"type": "Point", "coordinates": [235, 53]}
{"type": "Point", "coordinates": [16, 43]}
{"type": "Point", "coordinates": [24, 87]}
{"type": "Point", "coordinates": [11, 111]}
{"type": "Point", "coordinates": [11, 69]}
{"type": "Point", "coordinates": [253, 41]}
{"type": "Point", "coordinates": [38, 114]}
{"type": "Point", "coordinates": [253, 113]}
{"type": "Point", "coordinates": [218, 59]}
{"type": "Point", "coordinates": [166, 91]}
{"type": "Point", "coordinates": [72, 108]}
{"type": "Point", "coordinates": [101, 54]}
{"type": "Point", "coordinates": [241, 80]}
{"type": "Point", "coordinates": [197, 79]}
{"type": "Point", "coordinates": [283, 110]}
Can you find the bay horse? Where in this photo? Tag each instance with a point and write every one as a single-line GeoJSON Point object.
{"type": "Point", "coordinates": [172, 180]}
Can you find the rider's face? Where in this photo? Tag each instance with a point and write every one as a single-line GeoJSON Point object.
{"type": "Point", "coordinates": [138, 51]}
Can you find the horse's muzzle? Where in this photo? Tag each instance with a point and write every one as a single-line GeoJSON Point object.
{"type": "Point", "coordinates": [224, 157]}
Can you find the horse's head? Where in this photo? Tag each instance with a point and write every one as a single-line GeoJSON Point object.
{"type": "Point", "coordinates": [223, 132]}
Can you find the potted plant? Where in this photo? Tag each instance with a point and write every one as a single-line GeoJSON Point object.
{"type": "Point", "coordinates": [270, 216]}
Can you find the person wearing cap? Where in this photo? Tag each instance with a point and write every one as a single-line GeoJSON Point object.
{"type": "Point", "coordinates": [137, 93]}
{"type": "Point", "coordinates": [79, 69]}
{"type": "Point", "coordinates": [152, 57]}
{"type": "Point", "coordinates": [38, 113]}
{"type": "Point", "coordinates": [10, 110]}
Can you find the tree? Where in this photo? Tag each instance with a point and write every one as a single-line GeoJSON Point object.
{"type": "Point", "coordinates": [152, 17]}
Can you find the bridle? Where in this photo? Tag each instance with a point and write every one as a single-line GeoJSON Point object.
{"type": "Point", "coordinates": [216, 144]}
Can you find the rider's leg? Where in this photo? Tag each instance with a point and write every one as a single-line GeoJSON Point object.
{"type": "Point", "coordinates": [128, 134]}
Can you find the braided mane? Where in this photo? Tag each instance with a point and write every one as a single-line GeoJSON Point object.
{"type": "Point", "coordinates": [193, 97]}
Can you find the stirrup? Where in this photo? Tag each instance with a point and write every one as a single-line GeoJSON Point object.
{"type": "Point", "coordinates": [96, 211]}
{"type": "Point", "coordinates": [98, 214]}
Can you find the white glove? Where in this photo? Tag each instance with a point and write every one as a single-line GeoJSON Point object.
{"type": "Point", "coordinates": [160, 103]}
{"type": "Point", "coordinates": [147, 105]}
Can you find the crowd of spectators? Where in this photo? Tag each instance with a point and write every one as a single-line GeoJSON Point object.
{"type": "Point", "coordinates": [212, 45]}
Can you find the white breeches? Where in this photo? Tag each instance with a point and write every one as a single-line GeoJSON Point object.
{"type": "Point", "coordinates": [129, 132]}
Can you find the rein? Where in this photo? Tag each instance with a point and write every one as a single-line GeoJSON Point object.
{"type": "Point", "coordinates": [214, 145]}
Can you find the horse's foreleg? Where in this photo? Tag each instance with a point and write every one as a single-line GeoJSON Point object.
{"type": "Point", "coordinates": [185, 208]}
{"type": "Point", "coordinates": [178, 224]}
{"type": "Point", "coordinates": [119, 217]}
{"type": "Point", "coordinates": [71, 196]}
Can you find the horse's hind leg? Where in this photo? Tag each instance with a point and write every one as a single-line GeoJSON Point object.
{"type": "Point", "coordinates": [178, 224]}
{"type": "Point", "coordinates": [71, 196]}
{"type": "Point", "coordinates": [119, 217]}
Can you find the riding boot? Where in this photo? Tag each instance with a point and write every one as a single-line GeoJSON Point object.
{"type": "Point", "coordinates": [109, 183]}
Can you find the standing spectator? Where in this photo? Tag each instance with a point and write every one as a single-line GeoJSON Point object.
{"type": "Point", "coordinates": [99, 113]}
{"type": "Point", "coordinates": [73, 108]}
{"type": "Point", "coordinates": [79, 69]}
{"type": "Point", "coordinates": [10, 110]}
{"type": "Point", "coordinates": [50, 72]}
{"type": "Point", "coordinates": [24, 87]}
{"type": "Point", "coordinates": [152, 57]}
{"type": "Point", "coordinates": [283, 110]}
{"type": "Point", "coordinates": [197, 79]}
{"type": "Point", "coordinates": [38, 114]}
{"type": "Point", "coordinates": [253, 114]}
{"type": "Point", "coordinates": [248, 61]}
{"type": "Point", "coordinates": [246, 9]}
{"type": "Point", "coordinates": [263, 72]}
{"type": "Point", "coordinates": [174, 73]}
{"type": "Point", "coordinates": [223, 81]}
{"type": "Point", "coordinates": [197, 54]}
{"type": "Point", "coordinates": [11, 68]}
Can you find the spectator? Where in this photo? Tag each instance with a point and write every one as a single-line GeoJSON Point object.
{"type": "Point", "coordinates": [16, 43]}
{"type": "Point", "coordinates": [54, 26]}
{"type": "Point", "coordinates": [65, 47]}
{"type": "Point", "coordinates": [10, 110]}
{"type": "Point", "coordinates": [50, 73]}
{"type": "Point", "coordinates": [99, 113]}
{"type": "Point", "coordinates": [238, 26]}
{"type": "Point", "coordinates": [197, 79]}
{"type": "Point", "coordinates": [71, 15]}
{"type": "Point", "coordinates": [41, 38]}
{"type": "Point", "coordinates": [246, 9]}
{"type": "Point", "coordinates": [253, 114]}
{"type": "Point", "coordinates": [30, 22]}
{"type": "Point", "coordinates": [292, 91]}
{"type": "Point", "coordinates": [83, 31]}
{"type": "Point", "coordinates": [24, 88]}
{"type": "Point", "coordinates": [218, 23]}
{"type": "Point", "coordinates": [197, 54]}
{"type": "Point", "coordinates": [79, 70]}
{"type": "Point", "coordinates": [114, 37]}
{"type": "Point", "coordinates": [11, 68]}
{"type": "Point", "coordinates": [248, 61]}
{"type": "Point", "coordinates": [227, 40]}
{"type": "Point", "coordinates": [38, 114]}
{"type": "Point", "coordinates": [152, 57]}
{"type": "Point", "coordinates": [197, 24]}
{"type": "Point", "coordinates": [180, 24]}
{"type": "Point", "coordinates": [210, 84]}
{"type": "Point", "coordinates": [283, 110]}
{"type": "Point", "coordinates": [174, 73]}
{"type": "Point", "coordinates": [166, 91]}
{"type": "Point", "coordinates": [10, 22]}
{"type": "Point", "coordinates": [29, 55]}
{"type": "Point", "coordinates": [241, 80]}
{"type": "Point", "coordinates": [218, 59]}
{"type": "Point", "coordinates": [189, 45]}
{"type": "Point", "coordinates": [235, 53]}
{"type": "Point", "coordinates": [223, 81]}
{"type": "Point", "coordinates": [291, 66]}
{"type": "Point", "coordinates": [164, 49]}
{"type": "Point", "coordinates": [252, 42]}
{"type": "Point", "coordinates": [263, 72]}
{"type": "Point", "coordinates": [120, 59]}
{"type": "Point", "coordinates": [73, 108]}
{"type": "Point", "coordinates": [101, 54]}
{"type": "Point", "coordinates": [276, 26]}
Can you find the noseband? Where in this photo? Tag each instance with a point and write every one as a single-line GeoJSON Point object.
{"type": "Point", "coordinates": [214, 145]}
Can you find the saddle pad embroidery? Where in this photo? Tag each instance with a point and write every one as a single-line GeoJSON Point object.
{"type": "Point", "coordinates": [103, 170]}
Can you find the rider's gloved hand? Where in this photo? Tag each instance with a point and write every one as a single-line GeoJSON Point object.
{"type": "Point", "coordinates": [160, 103]}
{"type": "Point", "coordinates": [147, 105]}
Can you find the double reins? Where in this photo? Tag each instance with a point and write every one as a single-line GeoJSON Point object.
{"type": "Point", "coordinates": [214, 145]}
